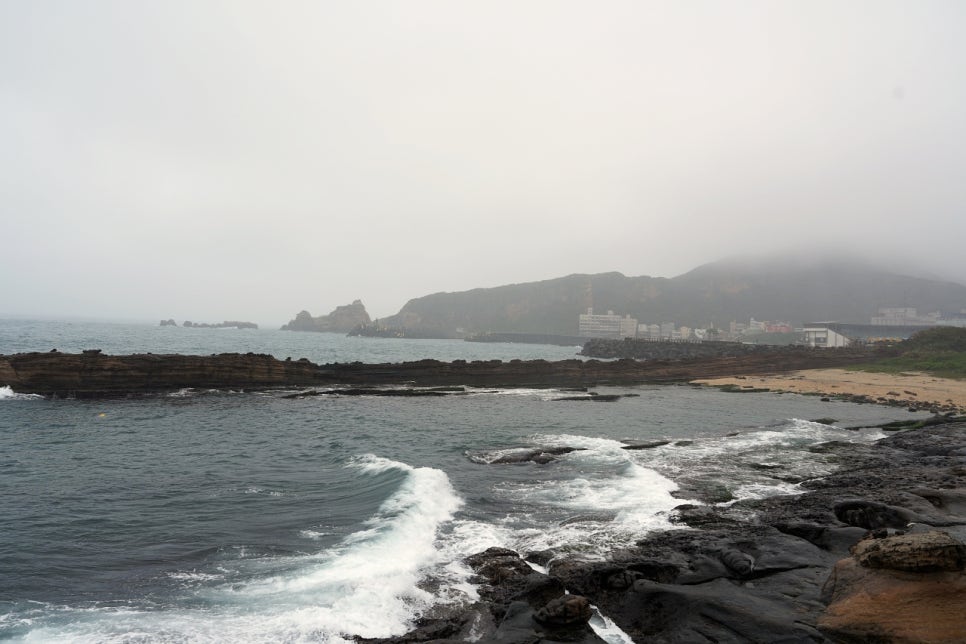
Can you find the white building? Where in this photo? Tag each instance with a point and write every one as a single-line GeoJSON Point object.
{"type": "Point", "coordinates": [820, 335]}
{"type": "Point", "coordinates": [591, 325]}
{"type": "Point", "coordinates": [835, 334]}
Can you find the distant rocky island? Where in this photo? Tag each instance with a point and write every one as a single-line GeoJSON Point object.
{"type": "Point", "coordinates": [342, 320]}
{"type": "Point", "coordinates": [227, 324]}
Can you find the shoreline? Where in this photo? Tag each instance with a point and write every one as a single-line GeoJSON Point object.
{"type": "Point", "coordinates": [915, 390]}
{"type": "Point", "coordinates": [873, 551]}
{"type": "Point", "coordinates": [93, 374]}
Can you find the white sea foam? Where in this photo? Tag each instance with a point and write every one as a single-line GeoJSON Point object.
{"type": "Point", "coordinates": [313, 534]}
{"type": "Point", "coordinates": [367, 585]}
{"type": "Point", "coordinates": [615, 502]}
{"type": "Point", "coordinates": [756, 463]}
{"type": "Point", "coordinates": [6, 393]}
{"type": "Point", "coordinates": [542, 394]}
{"type": "Point", "coordinates": [607, 630]}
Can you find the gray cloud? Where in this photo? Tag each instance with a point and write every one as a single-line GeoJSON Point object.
{"type": "Point", "coordinates": [238, 160]}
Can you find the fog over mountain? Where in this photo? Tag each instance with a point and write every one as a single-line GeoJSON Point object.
{"type": "Point", "coordinates": [792, 290]}
{"type": "Point", "coordinates": [244, 161]}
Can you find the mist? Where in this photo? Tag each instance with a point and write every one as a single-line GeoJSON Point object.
{"type": "Point", "coordinates": [232, 160]}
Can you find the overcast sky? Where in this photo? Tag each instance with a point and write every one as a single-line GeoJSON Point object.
{"type": "Point", "coordinates": [246, 160]}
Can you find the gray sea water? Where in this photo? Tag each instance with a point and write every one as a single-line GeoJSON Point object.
{"type": "Point", "coordinates": [211, 516]}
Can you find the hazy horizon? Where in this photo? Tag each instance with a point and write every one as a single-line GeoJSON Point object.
{"type": "Point", "coordinates": [230, 160]}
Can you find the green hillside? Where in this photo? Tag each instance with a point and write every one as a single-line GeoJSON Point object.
{"type": "Point", "coordinates": [940, 351]}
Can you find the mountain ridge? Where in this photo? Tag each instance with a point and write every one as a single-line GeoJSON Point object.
{"type": "Point", "coordinates": [793, 290]}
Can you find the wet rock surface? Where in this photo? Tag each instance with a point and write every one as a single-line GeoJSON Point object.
{"type": "Point", "coordinates": [755, 570]}
{"type": "Point", "coordinates": [859, 557]}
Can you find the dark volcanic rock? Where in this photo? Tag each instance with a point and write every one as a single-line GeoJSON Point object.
{"type": "Point", "coordinates": [754, 571]}
{"type": "Point", "coordinates": [529, 606]}
{"type": "Point", "coordinates": [568, 610]}
{"type": "Point", "coordinates": [646, 445]}
{"type": "Point", "coordinates": [541, 455]}
{"type": "Point", "coordinates": [871, 515]}
{"type": "Point", "coordinates": [65, 374]}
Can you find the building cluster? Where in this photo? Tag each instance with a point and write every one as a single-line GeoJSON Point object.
{"type": "Point", "coordinates": [905, 316]}
{"type": "Point", "coordinates": [613, 326]}
{"type": "Point", "coordinates": [892, 324]}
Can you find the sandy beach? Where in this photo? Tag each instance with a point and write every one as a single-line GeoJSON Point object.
{"type": "Point", "coordinates": [914, 389]}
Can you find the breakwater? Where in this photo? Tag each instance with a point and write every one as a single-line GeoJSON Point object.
{"type": "Point", "coordinates": [529, 338]}
{"type": "Point", "coordinates": [672, 350]}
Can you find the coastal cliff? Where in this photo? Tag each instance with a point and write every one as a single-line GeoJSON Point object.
{"type": "Point", "coordinates": [93, 374]}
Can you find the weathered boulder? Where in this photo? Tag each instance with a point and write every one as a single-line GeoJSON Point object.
{"type": "Point", "coordinates": [900, 588]}
{"type": "Point", "coordinates": [933, 551]}
{"type": "Point", "coordinates": [568, 610]}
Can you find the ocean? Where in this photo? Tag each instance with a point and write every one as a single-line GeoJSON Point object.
{"type": "Point", "coordinates": [217, 516]}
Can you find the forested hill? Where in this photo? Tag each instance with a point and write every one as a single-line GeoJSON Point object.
{"type": "Point", "coordinates": [717, 293]}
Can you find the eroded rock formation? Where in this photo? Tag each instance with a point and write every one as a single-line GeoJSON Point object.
{"type": "Point", "coordinates": [342, 320]}
{"type": "Point", "coordinates": [898, 588]}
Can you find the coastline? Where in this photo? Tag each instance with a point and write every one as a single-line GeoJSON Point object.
{"type": "Point", "coordinates": [93, 374]}
{"type": "Point", "coordinates": [871, 552]}
{"type": "Point", "coordinates": [910, 389]}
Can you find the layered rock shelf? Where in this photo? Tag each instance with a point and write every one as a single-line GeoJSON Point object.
{"type": "Point", "coordinates": [94, 374]}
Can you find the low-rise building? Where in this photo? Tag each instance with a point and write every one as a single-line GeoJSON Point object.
{"type": "Point", "coordinates": [834, 334]}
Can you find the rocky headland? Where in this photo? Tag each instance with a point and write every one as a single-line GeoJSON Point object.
{"type": "Point", "coordinates": [341, 320]}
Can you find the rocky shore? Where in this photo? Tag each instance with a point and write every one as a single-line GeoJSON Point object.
{"type": "Point", "coordinates": [94, 374]}
{"type": "Point", "coordinates": [873, 553]}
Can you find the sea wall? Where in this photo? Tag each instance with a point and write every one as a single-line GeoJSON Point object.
{"type": "Point", "coordinates": [529, 338]}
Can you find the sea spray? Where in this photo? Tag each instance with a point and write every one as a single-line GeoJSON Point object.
{"type": "Point", "coordinates": [752, 464]}
{"type": "Point", "coordinates": [611, 505]}
{"type": "Point", "coordinates": [6, 393]}
{"type": "Point", "coordinates": [367, 585]}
